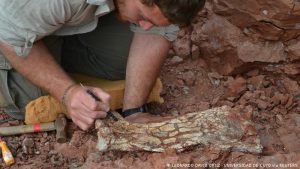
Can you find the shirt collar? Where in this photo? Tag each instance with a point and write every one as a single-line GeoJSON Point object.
{"type": "Point", "coordinates": [104, 6]}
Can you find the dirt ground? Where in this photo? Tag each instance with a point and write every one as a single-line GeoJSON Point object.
{"type": "Point", "coordinates": [188, 86]}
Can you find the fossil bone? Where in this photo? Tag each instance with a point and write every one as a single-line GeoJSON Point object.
{"type": "Point", "coordinates": [221, 128]}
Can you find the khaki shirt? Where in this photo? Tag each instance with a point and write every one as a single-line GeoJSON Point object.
{"type": "Point", "coordinates": [22, 22]}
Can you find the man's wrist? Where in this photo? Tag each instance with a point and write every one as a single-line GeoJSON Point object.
{"type": "Point", "coordinates": [66, 91]}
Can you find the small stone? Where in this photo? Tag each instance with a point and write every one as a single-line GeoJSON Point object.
{"type": "Point", "coordinates": [189, 78]}
{"type": "Point", "coordinates": [236, 87]}
{"type": "Point", "coordinates": [279, 118]}
{"type": "Point", "coordinates": [195, 52]}
{"type": "Point", "coordinates": [262, 104]}
{"type": "Point", "coordinates": [186, 90]}
{"type": "Point", "coordinates": [175, 113]}
{"type": "Point", "coordinates": [296, 118]}
{"type": "Point", "coordinates": [230, 98]}
{"type": "Point", "coordinates": [265, 12]}
{"type": "Point", "coordinates": [257, 81]}
{"type": "Point", "coordinates": [215, 100]}
{"type": "Point", "coordinates": [291, 85]}
{"type": "Point", "coordinates": [28, 145]}
{"type": "Point", "coordinates": [52, 152]}
{"type": "Point", "coordinates": [215, 75]}
{"type": "Point", "coordinates": [252, 73]}
{"type": "Point", "coordinates": [290, 102]}
{"type": "Point", "coordinates": [176, 60]}
{"type": "Point", "coordinates": [56, 161]}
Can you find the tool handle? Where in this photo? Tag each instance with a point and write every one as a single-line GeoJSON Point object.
{"type": "Point", "coordinates": [30, 128]}
{"type": "Point", "coordinates": [109, 113]}
{"type": "Point", "coordinates": [6, 153]}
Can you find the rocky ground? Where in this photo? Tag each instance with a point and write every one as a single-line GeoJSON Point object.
{"type": "Point", "coordinates": [242, 54]}
{"type": "Point", "coordinates": [188, 87]}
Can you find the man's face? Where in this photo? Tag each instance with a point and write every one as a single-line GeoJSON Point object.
{"type": "Point", "coordinates": [134, 11]}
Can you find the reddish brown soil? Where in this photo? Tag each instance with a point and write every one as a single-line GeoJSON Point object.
{"type": "Point", "coordinates": [188, 87]}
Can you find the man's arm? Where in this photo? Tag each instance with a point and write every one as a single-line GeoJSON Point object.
{"type": "Point", "coordinates": [41, 69]}
{"type": "Point", "coordinates": [147, 54]}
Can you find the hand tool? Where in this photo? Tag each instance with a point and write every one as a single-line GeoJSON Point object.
{"type": "Point", "coordinates": [59, 125]}
{"type": "Point", "coordinates": [109, 113]}
{"type": "Point", "coordinates": [6, 153]}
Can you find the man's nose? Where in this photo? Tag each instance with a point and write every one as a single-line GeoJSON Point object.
{"type": "Point", "coordinates": [145, 25]}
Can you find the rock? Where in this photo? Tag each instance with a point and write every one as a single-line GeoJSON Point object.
{"type": "Point", "coordinates": [28, 146]}
{"type": "Point", "coordinates": [291, 142]}
{"type": "Point", "coordinates": [215, 75]}
{"type": "Point", "coordinates": [182, 45]}
{"type": "Point", "coordinates": [276, 99]}
{"type": "Point", "coordinates": [290, 85]}
{"type": "Point", "coordinates": [215, 78]}
{"type": "Point", "coordinates": [263, 105]}
{"type": "Point", "coordinates": [296, 118]}
{"type": "Point", "coordinates": [294, 50]}
{"type": "Point", "coordinates": [76, 139]}
{"type": "Point", "coordinates": [236, 87]}
{"type": "Point", "coordinates": [236, 36]}
{"type": "Point", "coordinates": [252, 73]}
{"type": "Point", "coordinates": [257, 81]}
{"type": "Point", "coordinates": [189, 78]}
{"type": "Point", "coordinates": [292, 69]}
{"type": "Point", "coordinates": [195, 52]}
{"type": "Point", "coordinates": [267, 141]}
{"type": "Point", "coordinates": [176, 60]}
{"type": "Point", "coordinates": [266, 19]}
{"type": "Point", "coordinates": [56, 161]}
{"type": "Point", "coordinates": [203, 106]}
{"type": "Point", "coordinates": [261, 52]}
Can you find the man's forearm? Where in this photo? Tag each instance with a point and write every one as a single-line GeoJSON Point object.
{"type": "Point", "coordinates": [40, 68]}
{"type": "Point", "coordinates": [146, 57]}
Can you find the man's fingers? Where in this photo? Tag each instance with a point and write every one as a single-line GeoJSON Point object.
{"type": "Point", "coordinates": [102, 95]}
{"type": "Point", "coordinates": [97, 104]}
{"type": "Point", "coordinates": [95, 114]}
{"type": "Point", "coordinates": [102, 107]}
{"type": "Point", "coordinates": [98, 111]}
{"type": "Point", "coordinates": [80, 123]}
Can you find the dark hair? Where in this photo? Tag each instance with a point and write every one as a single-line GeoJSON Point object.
{"type": "Point", "coordinates": [180, 12]}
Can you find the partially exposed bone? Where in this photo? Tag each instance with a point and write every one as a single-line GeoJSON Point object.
{"type": "Point", "coordinates": [220, 128]}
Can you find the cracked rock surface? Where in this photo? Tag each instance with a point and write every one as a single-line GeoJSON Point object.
{"type": "Point", "coordinates": [221, 128]}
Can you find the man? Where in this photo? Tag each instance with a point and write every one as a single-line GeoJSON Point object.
{"type": "Point", "coordinates": [30, 56]}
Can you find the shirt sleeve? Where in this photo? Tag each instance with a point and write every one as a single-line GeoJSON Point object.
{"type": "Point", "coordinates": [26, 21]}
{"type": "Point", "coordinates": [168, 32]}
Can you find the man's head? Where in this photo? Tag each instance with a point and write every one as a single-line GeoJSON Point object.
{"type": "Point", "coordinates": [148, 13]}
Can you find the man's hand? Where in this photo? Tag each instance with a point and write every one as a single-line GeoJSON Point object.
{"type": "Point", "coordinates": [83, 108]}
